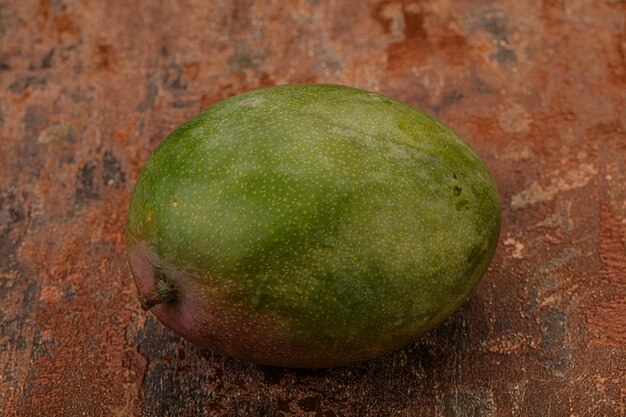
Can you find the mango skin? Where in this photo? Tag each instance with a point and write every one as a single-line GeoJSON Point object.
{"type": "Point", "coordinates": [311, 225]}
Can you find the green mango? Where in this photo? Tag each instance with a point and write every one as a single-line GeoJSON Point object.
{"type": "Point", "coordinates": [310, 226]}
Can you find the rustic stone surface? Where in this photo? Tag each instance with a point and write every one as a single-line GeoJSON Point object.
{"type": "Point", "coordinates": [89, 88]}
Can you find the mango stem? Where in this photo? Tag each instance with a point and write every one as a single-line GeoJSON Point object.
{"type": "Point", "coordinates": [162, 292]}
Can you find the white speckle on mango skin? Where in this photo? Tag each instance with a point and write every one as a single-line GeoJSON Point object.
{"type": "Point", "coordinates": [333, 222]}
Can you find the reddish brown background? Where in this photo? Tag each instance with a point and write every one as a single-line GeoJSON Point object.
{"type": "Point", "coordinates": [89, 88]}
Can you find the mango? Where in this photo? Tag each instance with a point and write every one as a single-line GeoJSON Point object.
{"type": "Point", "coordinates": [310, 226]}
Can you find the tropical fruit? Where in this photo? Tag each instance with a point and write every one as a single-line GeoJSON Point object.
{"type": "Point", "coordinates": [310, 226]}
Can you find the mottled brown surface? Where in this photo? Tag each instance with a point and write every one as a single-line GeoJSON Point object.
{"type": "Point", "coordinates": [89, 88]}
